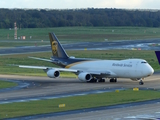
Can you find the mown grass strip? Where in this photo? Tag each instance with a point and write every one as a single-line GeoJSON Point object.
{"type": "Point", "coordinates": [6, 84]}
{"type": "Point", "coordinates": [74, 103]}
{"type": "Point", "coordinates": [85, 33]}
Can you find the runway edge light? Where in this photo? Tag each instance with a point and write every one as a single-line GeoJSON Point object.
{"type": "Point", "coordinates": [85, 48]}
{"type": "Point", "coordinates": [135, 89]}
{"type": "Point", "coordinates": [117, 91]}
{"type": "Point", "coordinates": [61, 105]}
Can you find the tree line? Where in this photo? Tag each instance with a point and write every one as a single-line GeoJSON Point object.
{"type": "Point", "coordinates": [78, 17]}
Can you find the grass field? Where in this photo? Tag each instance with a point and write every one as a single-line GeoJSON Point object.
{"type": "Point", "coordinates": [6, 84]}
{"type": "Point", "coordinates": [98, 54]}
{"type": "Point", "coordinates": [77, 34]}
{"type": "Point", "coordinates": [73, 103]}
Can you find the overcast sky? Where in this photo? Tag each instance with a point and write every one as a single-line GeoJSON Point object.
{"type": "Point", "coordinates": [70, 4]}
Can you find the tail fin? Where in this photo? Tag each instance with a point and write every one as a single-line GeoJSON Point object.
{"type": "Point", "coordinates": [158, 55]}
{"type": "Point", "coordinates": [57, 49]}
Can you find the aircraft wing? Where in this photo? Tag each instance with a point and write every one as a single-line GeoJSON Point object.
{"type": "Point", "coordinates": [47, 68]}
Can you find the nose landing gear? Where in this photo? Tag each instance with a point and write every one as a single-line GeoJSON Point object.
{"type": "Point", "coordinates": [141, 82]}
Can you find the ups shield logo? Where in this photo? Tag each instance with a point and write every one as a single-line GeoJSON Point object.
{"type": "Point", "coordinates": [54, 47]}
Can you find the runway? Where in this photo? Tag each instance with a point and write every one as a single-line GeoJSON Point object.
{"type": "Point", "coordinates": [43, 86]}
{"type": "Point", "coordinates": [121, 44]}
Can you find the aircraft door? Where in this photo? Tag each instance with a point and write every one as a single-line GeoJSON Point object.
{"type": "Point", "coordinates": [133, 70]}
{"type": "Point", "coordinates": [137, 69]}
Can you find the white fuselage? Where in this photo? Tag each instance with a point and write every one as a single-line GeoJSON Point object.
{"type": "Point", "coordinates": [129, 68]}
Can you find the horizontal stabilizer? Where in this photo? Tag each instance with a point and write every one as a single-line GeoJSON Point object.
{"type": "Point", "coordinates": [158, 55]}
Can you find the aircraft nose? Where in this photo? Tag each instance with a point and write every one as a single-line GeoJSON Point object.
{"type": "Point", "coordinates": [150, 71]}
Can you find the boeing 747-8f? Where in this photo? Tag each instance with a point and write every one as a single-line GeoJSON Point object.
{"type": "Point", "coordinates": [91, 70]}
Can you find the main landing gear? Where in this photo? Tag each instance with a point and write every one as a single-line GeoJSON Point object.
{"type": "Point", "coordinates": [101, 80]}
{"type": "Point", "coordinates": [94, 80]}
{"type": "Point", "coordinates": [113, 80]}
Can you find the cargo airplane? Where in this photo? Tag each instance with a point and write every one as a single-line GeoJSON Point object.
{"type": "Point", "coordinates": [91, 70]}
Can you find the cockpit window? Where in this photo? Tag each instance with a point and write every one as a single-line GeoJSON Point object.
{"type": "Point", "coordinates": [143, 62]}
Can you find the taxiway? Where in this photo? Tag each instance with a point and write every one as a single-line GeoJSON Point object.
{"type": "Point", "coordinates": [120, 44]}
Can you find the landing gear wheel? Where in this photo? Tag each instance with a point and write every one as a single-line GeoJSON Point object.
{"type": "Point", "coordinates": [101, 80]}
{"type": "Point", "coordinates": [141, 82]}
{"type": "Point", "coordinates": [113, 80]}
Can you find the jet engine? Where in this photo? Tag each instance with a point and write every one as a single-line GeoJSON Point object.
{"type": "Point", "coordinates": [53, 73]}
{"type": "Point", "coordinates": [84, 76]}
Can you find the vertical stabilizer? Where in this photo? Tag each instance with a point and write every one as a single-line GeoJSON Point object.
{"type": "Point", "coordinates": [158, 55]}
{"type": "Point", "coordinates": [57, 49]}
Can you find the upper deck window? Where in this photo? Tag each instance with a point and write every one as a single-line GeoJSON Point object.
{"type": "Point", "coordinates": [144, 62]}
